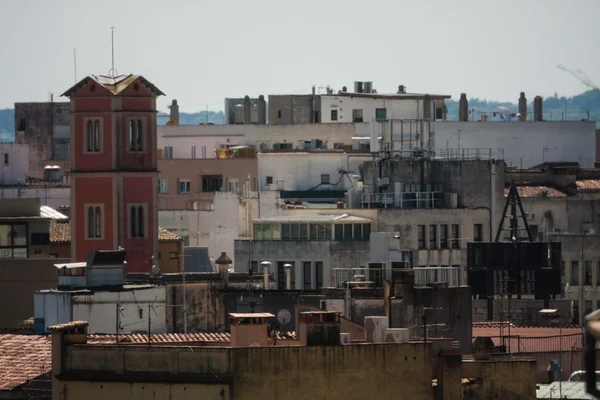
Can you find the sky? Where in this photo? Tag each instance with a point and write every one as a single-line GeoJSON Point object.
{"type": "Point", "coordinates": [202, 51]}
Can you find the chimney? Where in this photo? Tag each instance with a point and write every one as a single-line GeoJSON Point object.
{"type": "Point", "coordinates": [522, 107]}
{"type": "Point", "coordinates": [174, 112]}
{"type": "Point", "coordinates": [266, 267]}
{"type": "Point", "coordinates": [250, 329]}
{"type": "Point", "coordinates": [247, 111]}
{"type": "Point", "coordinates": [223, 264]}
{"type": "Point", "coordinates": [463, 108]}
{"type": "Point", "coordinates": [537, 108]}
{"type": "Point", "coordinates": [262, 110]}
{"type": "Point", "coordinates": [288, 276]}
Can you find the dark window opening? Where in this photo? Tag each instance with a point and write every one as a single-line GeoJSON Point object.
{"type": "Point", "coordinates": [212, 183]}
{"type": "Point", "coordinates": [478, 232]}
{"type": "Point", "coordinates": [421, 238]}
{"type": "Point", "coordinates": [334, 115]}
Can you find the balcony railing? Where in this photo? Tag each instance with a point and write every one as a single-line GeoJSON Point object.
{"type": "Point", "coordinates": [469, 154]}
{"type": "Point", "coordinates": [404, 200]}
{"type": "Point", "coordinates": [376, 277]}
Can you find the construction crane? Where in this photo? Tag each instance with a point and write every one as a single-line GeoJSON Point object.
{"type": "Point", "coordinates": [580, 76]}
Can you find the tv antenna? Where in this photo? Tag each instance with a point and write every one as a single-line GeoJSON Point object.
{"type": "Point", "coordinates": [113, 73]}
{"type": "Point", "coordinates": [75, 63]}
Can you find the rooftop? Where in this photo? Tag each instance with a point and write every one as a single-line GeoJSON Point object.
{"type": "Point", "coordinates": [588, 185]}
{"type": "Point", "coordinates": [531, 339]}
{"type": "Point", "coordinates": [216, 338]}
{"type": "Point", "coordinates": [60, 232]}
{"type": "Point", "coordinates": [398, 96]}
{"type": "Point", "coordinates": [317, 218]}
{"type": "Point", "coordinates": [539, 191]}
{"type": "Point", "coordinates": [569, 390]}
{"type": "Point", "coordinates": [115, 85]}
{"type": "Point", "coordinates": [49, 212]}
{"type": "Point", "coordinates": [22, 358]}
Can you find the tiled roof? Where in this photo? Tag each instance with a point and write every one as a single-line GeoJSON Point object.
{"type": "Point", "coordinates": [68, 326]}
{"type": "Point", "coordinates": [166, 235]}
{"type": "Point", "coordinates": [23, 357]}
{"type": "Point", "coordinates": [588, 185]}
{"type": "Point", "coordinates": [315, 218]}
{"type": "Point", "coordinates": [60, 232]}
{"type": "Point", "coordinates": [115, 85]}
{"type": "Point", "coordinates": [176, 338]}
{"type": "Point", "coordinates": [538, 192]}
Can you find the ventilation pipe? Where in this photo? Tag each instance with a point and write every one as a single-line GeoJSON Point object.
{"type": "Point", "coordinates": [262, 110]}
{"type": "Point", "coordinates": [247, 111]}
{"type": "Point", "coordinates": [463, 108]}
{"type": "Point", "coordinates": [288, 276]}
{"type": "Point", "coordinates": [537, 108]}
{"type": "Point", "coordinates": [266, 269]}
{"type": "Point", "coordinates": [522, 107]}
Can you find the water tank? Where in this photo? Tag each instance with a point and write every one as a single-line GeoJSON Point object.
{"type": "Point", "coordinates": [239, 114]}
{"type": "Point", "coordinates": [375, 329]}
{"type": "Point", "coordinates": [368, 87]}
{"type": "Point", "coordinates": [358, 87]}
{"type": "Point", "coordinates": [396, 335]}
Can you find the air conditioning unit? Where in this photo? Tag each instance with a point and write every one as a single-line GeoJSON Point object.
{"type": "Point", "coordinates": [396, 335]}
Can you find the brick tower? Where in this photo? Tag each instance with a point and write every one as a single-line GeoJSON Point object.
{"type": "Point", "coordinates": [114, 169]}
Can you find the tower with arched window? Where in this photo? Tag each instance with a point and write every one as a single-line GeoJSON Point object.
{"type": "Point", "coordinates": [114, 168]}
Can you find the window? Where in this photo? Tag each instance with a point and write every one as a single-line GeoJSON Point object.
{"type": "Point", "coordinates": [13, 241]}
{"type": "Point", "coordinates": [233, 186]}
{"type": "Point", "coordinates": [168, 152]}
{"type": "Point", "coordinates": [94, 222]}
{"type": "Point", "coordinates": [269, 180]}
{"type": "Point", "coordinates": [279, 114]}
{"type": "Point", "coordinates": [6, 163]}
{"type": "Point", "coordinates": [443, 236]}
{"type": "Point", "coordinates": [319, 274]}
{"type": "Point", "coordinates": [163, 186]}
{"type": "Point", "coordinates": [267, 232]}
{"type": "Point", "coordinates": [40, 239]}
{"type": "Point", "coordinates": [92, 144]}
{"type": "Point", "coordinates": [136, 135]}
{"type": "Point", "coordinates": [212, 183]}
{"type": "Point", "coordinates": [325, 179]}
{"type": "Point", "coordinates": [184, 186]}
{"type": "Point", "coordinates": [203, 151]}
{"type": "Point", "coordinates": [254, 266]}
{"type": "Point", "coordinates": [433, 236]}
{"type": "Point", "coordinates": [357, 115]}
{"type": "Point", "coordinates": [193, 152]}
{"type": "Point", "coordinates": [380, 114]}
{"type": "Point", "coordinates": [307, 275]}
{"type": "Point", "coordinates": [173, 255]}
{"type": "Point", "coordinates": [455, 237]}
{"type": "Point", "coordinates": [22, 124]}
{"type": "Point", "coordinates": [137, 221]}
{"type": "Point", "coordinates": [347, 232]}
{"type": "Point", "coordinates": [334, 115]}
{"type": "Point", "coordinates": [421, 239]}
{"type": "Point", "coordinates": [574, 273]}
{"type": "Point", "coordinates": [587, 273]}
{"type": "Point", "coordinates": [478, 233]}
{"type": "Point", "coordinates": [320, 231]}
{"type": "Point", "coordinates": [439, 113]}
{"type": "Point", "coordinates": [294, 231]}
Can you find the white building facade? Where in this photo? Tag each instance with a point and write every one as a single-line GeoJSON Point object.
{"type": "Point", "coordinates": [14, 164]}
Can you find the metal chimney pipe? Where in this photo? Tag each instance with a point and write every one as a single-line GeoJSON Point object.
{"type": "Point", "coordinates": [266, 269]}
{"type": "Point", "coordinates": [288, 276]}
{"type": "Point", "coordinates": [463, 108]}
{"type": "Point", "coordinates": [523, 107]}
{"type": "Point", "coordinates": [537, 108]}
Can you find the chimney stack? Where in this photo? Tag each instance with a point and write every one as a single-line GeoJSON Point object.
{"type": "Point", "coordinates": [288, 276]}
{"type": "Point", "coordinates": [537, 109]}
{"type": "Point", "coordinates": [262, 110]}
{"type": "Point", "coordinates": [174, 112]}
{"type": "Point", "coordinates": [223, 264]}
{"type": "Point", "coordinates": [266, 267]}
{"type": "Point", "coordinates": [247, 110]}
{"type": "Point", "coordinates": [523, 107]}
{"type": "Point", "coordinates": [463, 108]}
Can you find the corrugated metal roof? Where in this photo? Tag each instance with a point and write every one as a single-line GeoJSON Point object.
{"type": "Point", "coordinates": [49, 212]}
{"type": "Point", "coordinates": [318, 218]}
{"type": "Point", "coordinates": [566, 390]}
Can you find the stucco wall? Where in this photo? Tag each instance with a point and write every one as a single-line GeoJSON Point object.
{"type": "Point", "coordinates": [14, 163]}
{"type": "Point", "coordinates": [396, 108]}
{"type": "Point", "coordinates": [567, 141]}
{"type": "Point", "coordinates": [501, 380]}
{"type": "Point", "coordinates": [333, 372]}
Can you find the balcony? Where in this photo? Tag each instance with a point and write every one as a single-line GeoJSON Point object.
{"type": "Point", "coordinates": [376, 277]}
{"type": "Point", "coordinates": [411, 200]}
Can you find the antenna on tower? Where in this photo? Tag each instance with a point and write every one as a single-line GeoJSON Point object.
{"type": "Point", "coordinates": [113, 72]}
{"type": "Point", "coordinates": [75, 63]}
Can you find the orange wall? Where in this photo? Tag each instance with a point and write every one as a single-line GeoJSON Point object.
{"type": "Point", "coordinates": [168, 265]}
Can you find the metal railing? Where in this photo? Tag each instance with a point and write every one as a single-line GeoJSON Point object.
{"type": "Point", "coordinates": [537, 344]}
{"type": "Point", "coordinates": [427, 275]}
{"type": "Point", "coordinates": [469, 154]}
{"type": "Point", "coordinates": [376, 277]}
{"type": "Point", "coordinates": [404, 200]}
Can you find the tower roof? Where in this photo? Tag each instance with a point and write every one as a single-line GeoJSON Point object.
{"type": "Point", "coordinates": [115, 85]}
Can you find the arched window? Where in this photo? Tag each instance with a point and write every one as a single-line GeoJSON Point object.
{"type": "Point", "coordinates": [97, 135]}
{"type": "Point", "coordinates": [90, 135]}
{"type": "Point", "coordinates": [132, 135]}
{"type": "Point", "coordinates": [140, 136]}
{"type": "Point", "coordinates": [97, 222]}
{"type": "Point", "coordinates": [133, 221]}
{"type": "Point", "coordinates": [140, 229]}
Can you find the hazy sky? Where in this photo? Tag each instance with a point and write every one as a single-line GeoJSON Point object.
{"type": "Point", "coordinates": [201, 51]}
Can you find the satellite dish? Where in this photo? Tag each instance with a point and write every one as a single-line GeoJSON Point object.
{"type": "Point", "coordinates": [284, 317]}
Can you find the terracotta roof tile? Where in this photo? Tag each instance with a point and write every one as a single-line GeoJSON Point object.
{"type": "Point", "coordinates": [166, 235]}
{"type": "Point", "coordinates": [588, 185]}
{"type": "Point", "coordinates": [176, 338]}
{"type": "Point", "coordinates": [538, 192]}
{"type": "Point", "coordinates": [60, 232]}
{"type": "Point", "coordinates": [22, 358]}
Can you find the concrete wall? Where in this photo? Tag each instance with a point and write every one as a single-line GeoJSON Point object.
{"type": "Point", "coordinates": [567, 141]}
{"type": "Point", "coordinates": [231, 171]}
{"type": "Point", "coordinates": [501, 380]}
{"type": "Point", "coordinates": [183, 137]}
{"type": "Point", "coordinates": [396, 108]}
{"type": "Point", "coordinates": [332, 254]}
{"type": "Point", "coordinates": [294, 109]}
{"type": "Point", "coordinates": [19, 279]}
{"type": "Point", "coordinates": [523, 312]}
{"type": "Point", "coordinates": [54, 197]}
{"type": "Point", "coordinates": [303, 170]}
{"type": "Point", "coordinates": [204, 308]}
{"type": "Point", "coordinates": [14, 164]}
{"type": "Point", "coordinates": [100, 308]}
{"type": "Point", "coordinates": [332, 372]}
